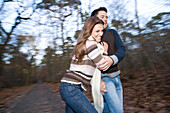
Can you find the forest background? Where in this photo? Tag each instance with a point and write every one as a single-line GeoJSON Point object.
{"type": "Point", "coordinates": [37, 38]}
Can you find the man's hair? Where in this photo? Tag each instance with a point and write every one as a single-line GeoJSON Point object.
{"type": "Point", "coordinates": [95, 12]}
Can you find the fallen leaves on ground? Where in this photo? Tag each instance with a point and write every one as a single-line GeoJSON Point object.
{"type": "Point", "coordinates": [143, 93]}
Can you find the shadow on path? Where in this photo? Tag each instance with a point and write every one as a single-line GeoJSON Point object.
{"type": "Point", "coordinates": [40, 99]}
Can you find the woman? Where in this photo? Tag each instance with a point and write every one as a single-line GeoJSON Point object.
{"type": "Point", "coordinates": [86, 56]}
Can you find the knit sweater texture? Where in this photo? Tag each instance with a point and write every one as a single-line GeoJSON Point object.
{"type": "Point", "coordinates": [82, 72]}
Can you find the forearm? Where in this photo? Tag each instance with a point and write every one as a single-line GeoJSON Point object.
{"type": "Point", "coordinates": [115, 59]}
{"type": "Point", "coordinates": [120, 49]}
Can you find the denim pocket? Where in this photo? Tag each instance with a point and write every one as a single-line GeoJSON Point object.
{"type": "Point", "coordinates": [73, 89]}
{"type": "Point", "coordinates": [68, 90]}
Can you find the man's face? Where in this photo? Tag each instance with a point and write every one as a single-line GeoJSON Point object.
{"type": "Point", "coordinates": [103, 16]}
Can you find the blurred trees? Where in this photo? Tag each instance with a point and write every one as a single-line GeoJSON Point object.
{"type": "Point", "coordinates": [22, 13]}
{"type": "Point", "coordinates": [150, 49]}
{"type": "Point", "coordinates": [158, 32]}
{"type": "Point", "coordinates": [19, 70]}
{"type": "Point", "coordinates": [147, 47]}
{"type": "Point", "coordinates": [54, 65]}
{"type": "Point", "coordinates": [22, 66]}
{"type": "Point", "coordinates": [59, 12]}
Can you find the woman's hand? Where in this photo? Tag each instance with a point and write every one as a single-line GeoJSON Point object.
{"type": "Point", "coordinates": [103, 86]}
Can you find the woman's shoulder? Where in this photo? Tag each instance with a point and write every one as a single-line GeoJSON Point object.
{"type": "Point", "coordinates": [91, 43]}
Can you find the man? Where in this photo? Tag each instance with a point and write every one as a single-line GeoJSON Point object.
{"type": "Point", "coordinates": [110, 74]}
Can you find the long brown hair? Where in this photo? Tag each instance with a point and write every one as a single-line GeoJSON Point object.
{"type": "Point", "coordinates": [80, 49]}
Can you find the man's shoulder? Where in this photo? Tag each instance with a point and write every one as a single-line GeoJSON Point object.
{"type": "Point", "coordinates": [110, 30]}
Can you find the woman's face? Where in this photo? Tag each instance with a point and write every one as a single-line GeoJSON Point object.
{"type": "Point", "coordinates": [97, 32]}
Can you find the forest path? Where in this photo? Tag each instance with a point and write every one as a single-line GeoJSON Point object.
{"type": "Point", "coordinates": [40, 99]}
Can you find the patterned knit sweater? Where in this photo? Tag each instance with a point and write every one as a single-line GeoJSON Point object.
{"type": "Point", "coordinates": [81, 73]}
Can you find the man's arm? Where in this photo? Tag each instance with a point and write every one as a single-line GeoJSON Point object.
{"type": "Point", "coordinates": [117, 56]}
{"type": "Point", "coordinates": [120, 47]}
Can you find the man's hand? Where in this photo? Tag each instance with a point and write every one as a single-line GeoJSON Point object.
{"type": "Point", "coordinates": [105, 46]}
{"type": "Point", "coordinates": [106, 63]}
{"type": "Point", "coordinates": [103, 86]}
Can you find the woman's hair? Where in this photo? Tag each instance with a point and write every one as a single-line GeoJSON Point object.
{"type": "Point", "coordinates": [80, 49]}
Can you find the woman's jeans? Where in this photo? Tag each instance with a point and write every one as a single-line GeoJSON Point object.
{"type": "Point", "coordinates": [76, 101]}
{"type": "Point", "coordinates": [113, 96]}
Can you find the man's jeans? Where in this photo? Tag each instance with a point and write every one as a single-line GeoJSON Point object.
{"type": "Point", "coordinates": [76, 101]}
{"type": "Point", "coordinates": [113, 96]}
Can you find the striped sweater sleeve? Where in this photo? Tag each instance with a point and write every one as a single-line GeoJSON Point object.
{"type": "Point", "coordinates": [93, 52]}
{"type": "Point", "coordinates": [82, 72]}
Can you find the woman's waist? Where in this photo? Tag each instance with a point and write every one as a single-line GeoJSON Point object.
{"type": "Point", "coordinates": [78, 80]}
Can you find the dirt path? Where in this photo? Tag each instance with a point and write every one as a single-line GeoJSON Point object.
{"type": "Point", "coordinates": [40, 99]}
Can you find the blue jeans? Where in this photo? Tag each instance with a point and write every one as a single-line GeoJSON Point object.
{"type": "Point", "coordinates": [76, 101]}
{"type": "Point", "coordinates": [113, 96]}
